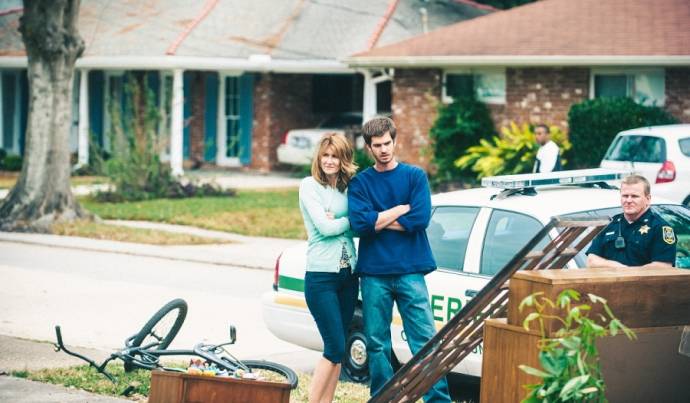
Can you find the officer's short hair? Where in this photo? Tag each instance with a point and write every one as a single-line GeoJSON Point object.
{"type": "Point", "coordinates": [635, 179]}
{"type": "Point", "coordinates": [543, 126]}
{"type": "Point", "coordinates": [377, 127]}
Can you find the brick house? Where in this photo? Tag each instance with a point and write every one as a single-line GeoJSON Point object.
{"type": "Point", "coordinates": [229, 77]}
{"type": "Point", "coordinates": [531, 63]}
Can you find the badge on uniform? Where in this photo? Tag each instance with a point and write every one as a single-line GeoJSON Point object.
{"type": "Point", "coordinates": [669, 236]}
{"type": "Point", "coordinates": [644, 229]}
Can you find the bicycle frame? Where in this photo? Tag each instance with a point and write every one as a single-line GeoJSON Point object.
{"type": "Point", "coordinates": [143, 358]}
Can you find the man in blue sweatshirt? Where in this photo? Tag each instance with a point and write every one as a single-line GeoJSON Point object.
{"type": "Point", "coordinates": [390, 208]}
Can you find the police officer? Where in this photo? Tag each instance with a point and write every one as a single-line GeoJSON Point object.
{"type": "Point", "coordinates": [638, 236]}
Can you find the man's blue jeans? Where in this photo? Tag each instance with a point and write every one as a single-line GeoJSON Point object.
{"type": "Point", "coordinates": [410, 293]}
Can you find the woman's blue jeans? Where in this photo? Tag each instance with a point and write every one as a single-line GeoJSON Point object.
{"type": "Point", "coordinates": [410, 293]}
{"type": "Point", "coordinates": [331, 299]}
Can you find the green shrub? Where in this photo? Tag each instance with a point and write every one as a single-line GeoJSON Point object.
{"type": "Point", "coordinates": [363, 160]}
{"type": "Point", "coordinates": [459, 125]}
{"type": "Point", "coordinates": [11, 162]}
{"type": "Point", "coordinates": [512, 153]}
{"type": "Point", "coordinates": [594, 123]}
{"type": "Point", "coordinates": [134, 166]}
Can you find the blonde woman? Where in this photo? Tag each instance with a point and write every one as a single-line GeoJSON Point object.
{"type": "Point", "coordinates": [330, 288]}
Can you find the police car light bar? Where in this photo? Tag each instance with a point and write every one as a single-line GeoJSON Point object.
{"type": "Point", "coordinates": [573, 177]}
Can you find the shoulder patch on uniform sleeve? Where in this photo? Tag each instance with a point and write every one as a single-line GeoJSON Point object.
{"type": "Point", "coordinates": [669, 236]}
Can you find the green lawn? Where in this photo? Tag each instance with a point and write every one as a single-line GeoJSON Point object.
{"type": "Point", "coordinates": [272, 213]}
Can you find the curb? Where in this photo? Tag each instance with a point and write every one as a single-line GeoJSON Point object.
{"type": "Point", "coordinates": [241, 253]}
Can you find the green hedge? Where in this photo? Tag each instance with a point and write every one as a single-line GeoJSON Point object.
{"type": "Point", "coordinates": [10, 162]}
{"type": "Point", "coordinates": [459, 125]}
{"type": "Point", "coordinates": [594, 123]}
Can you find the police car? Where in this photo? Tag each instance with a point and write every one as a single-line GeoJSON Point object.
{"type": "Point", "coordinates": [473, 233]}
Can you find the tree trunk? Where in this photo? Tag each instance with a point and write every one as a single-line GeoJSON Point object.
{"type": "Point", "coordinates": [42, 194]}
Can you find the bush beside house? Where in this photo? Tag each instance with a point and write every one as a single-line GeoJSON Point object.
{"type": "Point", "coordinates": [594, 123]}
{"type": "Point", "coordinates": [514, 152]}
{"type": "Point", "coordinates": [459, 125]}
{"type": "Point", "coordinates": [10, 162]}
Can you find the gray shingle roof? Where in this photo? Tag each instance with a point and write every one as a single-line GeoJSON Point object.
{"type": "Point", "coordinates": [285, 29]}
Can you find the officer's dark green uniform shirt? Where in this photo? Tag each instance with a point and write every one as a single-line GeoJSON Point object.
{"type": "Point", "coordinates": [649, 239]}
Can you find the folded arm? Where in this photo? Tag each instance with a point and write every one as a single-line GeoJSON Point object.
{"type": "Point", "coordinates": [598, 261]}
{"type": "Point", "coordinates": [324, 222]}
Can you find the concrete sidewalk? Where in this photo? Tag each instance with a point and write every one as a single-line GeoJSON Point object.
{"type": "Point", "coordinates": [243, 251]}
{"type": "Point", "coordinates": [20, 354]}
{"type": "Point", "coordinates": [17, 390]}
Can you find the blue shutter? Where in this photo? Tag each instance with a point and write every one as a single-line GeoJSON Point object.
{"type": "Point", "coordinates": [210, 116]}
{"type": "Point", "coordinates": [186, 94]}
{"type": "Point", "coordinates": [9, 92]}
{"type": "Point", "coordinates": [23, 108]}
{"type": "Point", "coordinates": [153, 84]}
{"type": "Point", "coordinates": [96, 87]}
{"type": "Point", "coordinates": [246, 117]}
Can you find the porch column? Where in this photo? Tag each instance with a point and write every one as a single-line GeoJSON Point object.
{"type": "Point", "coordinates": [176, 137]}
{"type": "Point", "coordinates": [83, 148]}
{"type": "Point", "coordinates": [369, 101]}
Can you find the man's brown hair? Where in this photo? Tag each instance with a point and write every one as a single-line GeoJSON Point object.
{"type": "Point", "coordinates": [635, 179]}
{"type": "Point", "coordinates": [377, 127]}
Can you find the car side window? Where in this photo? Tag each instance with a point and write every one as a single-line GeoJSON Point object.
{"type": "Point", "coordinates": [506, 234]}
{"type": "Point", "coordinates": [448, 233]}
{"type": "Point", "coordinates": [684, 145]}
{"type": "Point", "coordinates": [651, 149]}
{"type": "Point", "coordinates": [637, 149]}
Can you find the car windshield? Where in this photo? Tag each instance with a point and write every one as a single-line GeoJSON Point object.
{"type": "Point", "coordinates": [677, 216]}
{"type": "Point", "coordinates": [637, 148]}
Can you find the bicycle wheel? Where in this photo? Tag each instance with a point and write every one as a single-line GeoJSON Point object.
{"type": "Point", "coordinates": [163, 326]}
{"type": "Point", "coordinates": [273, 371]}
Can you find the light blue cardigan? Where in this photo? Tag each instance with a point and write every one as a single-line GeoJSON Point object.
{"type": "Point", "coordinates": [325, 236]}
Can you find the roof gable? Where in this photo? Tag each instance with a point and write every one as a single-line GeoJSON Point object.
{"type": "Point", "coordinates": [558, 28]}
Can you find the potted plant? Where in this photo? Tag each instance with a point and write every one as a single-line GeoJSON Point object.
{"type": "Point", "coordinates": [570, 368]}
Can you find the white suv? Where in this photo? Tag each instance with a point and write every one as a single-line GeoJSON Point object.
{"type": "Point", "coordinates": [660, 153]}
{"type": "Point", "coordinates": [473, 234]}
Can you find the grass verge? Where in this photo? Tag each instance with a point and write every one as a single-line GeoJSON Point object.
{"type": "Point", "coordinates": [271, 213]}
{"type": "Point", "coordinates": [8, 179]}
{"type": "Point", "coordinates": [89, 229]}
{"type": "Point", "coordinates": [86, 378]}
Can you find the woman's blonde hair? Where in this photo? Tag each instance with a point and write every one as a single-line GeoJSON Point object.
{"type": "Point", "coordinates": [343, 151]}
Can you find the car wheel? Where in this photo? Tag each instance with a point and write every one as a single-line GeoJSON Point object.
{"type": "Point", "coordinates": [356, 363]}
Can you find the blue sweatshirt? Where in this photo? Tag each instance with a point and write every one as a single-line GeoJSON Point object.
{"type": "Point", "coordinates": [391, 252]}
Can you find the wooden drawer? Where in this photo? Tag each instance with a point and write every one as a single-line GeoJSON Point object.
{"type": "Point", "coordinates": [172, 387]}
{"type": "Point", "coordinates": [648, 369]}
{"type": "Point", "coordinates": [638, 297]}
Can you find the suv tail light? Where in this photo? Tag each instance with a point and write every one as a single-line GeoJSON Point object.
{"type": "Point", "coordinates": [667, 173]}
{"type": "Point", "coordinates": [276, 273]}
{"type": "Point", "coordinates": [283, 140]}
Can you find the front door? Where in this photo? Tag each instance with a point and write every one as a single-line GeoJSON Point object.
{"type": "Point", "coordinates": [234, 120]}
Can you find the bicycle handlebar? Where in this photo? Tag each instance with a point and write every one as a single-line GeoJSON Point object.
{"type": "Point", "coordinates": [61, 346]}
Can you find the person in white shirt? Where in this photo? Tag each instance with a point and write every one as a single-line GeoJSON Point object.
{"type": "Point", "coordinates": [548, 156]}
